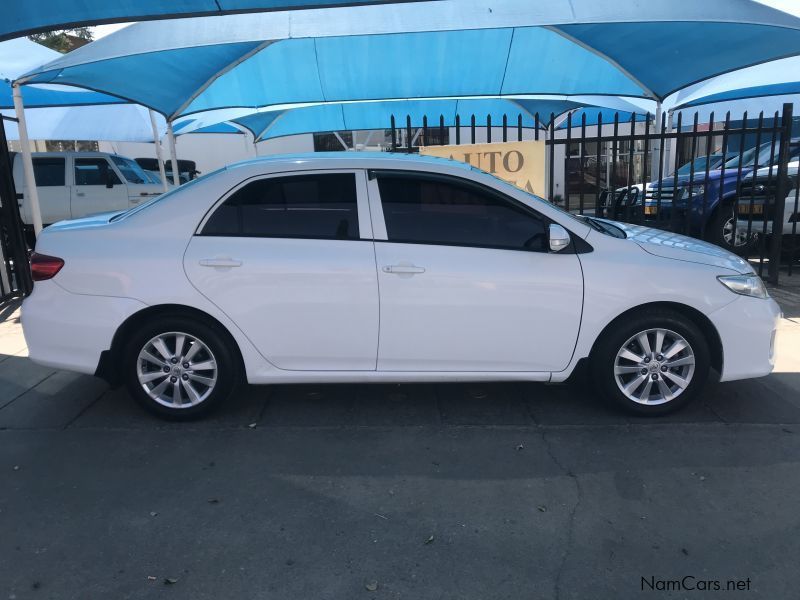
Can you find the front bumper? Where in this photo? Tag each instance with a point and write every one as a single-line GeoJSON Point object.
{"type": "Point", "coordinates": [747, 329]}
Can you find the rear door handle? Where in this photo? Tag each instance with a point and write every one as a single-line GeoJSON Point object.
{"type": "Point", "coordinates": [403, 269]}
{"type": "Point", "coordinates": [220, 262]}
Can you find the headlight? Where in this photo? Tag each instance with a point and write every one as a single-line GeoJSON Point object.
{"type": "Point", "coordinates": [696, 190]}
{"type": "Point", "coordinates": [746, 285]}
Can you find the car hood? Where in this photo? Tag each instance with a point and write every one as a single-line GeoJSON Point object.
{"type": "Point", "coordinates": [680, 247]}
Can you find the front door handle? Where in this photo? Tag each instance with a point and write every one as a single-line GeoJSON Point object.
{"type": "Point", "coordinates": [225, 263]}
{"type": "Point", "coordinates": [403, 269]}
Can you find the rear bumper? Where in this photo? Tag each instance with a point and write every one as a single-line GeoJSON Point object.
{"type": "Point", "coordinates": [70, 331]}
{"type": "Point", "coordinates": [747, 329]}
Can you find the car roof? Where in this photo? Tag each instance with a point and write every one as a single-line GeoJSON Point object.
{"type": "Point", "coordinates": [355, 160]}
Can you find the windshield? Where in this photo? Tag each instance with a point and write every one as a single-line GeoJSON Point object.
{"type": "Point", "coordinates": [152, 177]}
{"type": "Point", "coordinates": [764, 154]}
{"type": "Point", "coordinates": [130, 170]}
{"type": "Point", "coordinates": [700, 164]}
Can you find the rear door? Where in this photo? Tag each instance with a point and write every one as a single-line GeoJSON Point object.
{"type": "Point", "coordinates": [51, 183]}
{"type": "Point", "coordinates": [290, 259]}
{"type": "Point", "coordinates": [466, 279]}
{"type": "Point", "coordinates": [97, 187]}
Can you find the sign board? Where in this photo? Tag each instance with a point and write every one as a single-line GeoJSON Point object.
{"type": "Point", "coordinates": [520, 163]}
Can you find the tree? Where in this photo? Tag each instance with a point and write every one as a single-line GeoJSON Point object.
{"type": "Point", "coordinates": [64, 40]}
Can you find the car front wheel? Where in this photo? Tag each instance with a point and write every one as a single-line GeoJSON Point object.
{"type": "Point", "coordinates": [652, 363]}
{"type": "Point", "coordinates": [179, 368]}
{"type": "Point", "coordinates": [722, 231]}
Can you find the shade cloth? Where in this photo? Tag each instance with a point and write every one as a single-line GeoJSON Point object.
{"type": "Point", "coordinates": [427, 50]}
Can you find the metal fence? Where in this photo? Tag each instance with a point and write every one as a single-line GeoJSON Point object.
{"type": "Point", "coordinates": [15, 278]}
{"type": "Point", "coordinates": [733, 182]}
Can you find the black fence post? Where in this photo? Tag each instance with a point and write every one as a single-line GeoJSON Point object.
{"type": "Point", "coordinates": [472, 128]}
{"type": "Point", "coordinates": [441, 130]}
{"type": "Point", "coordinates": [780, 195]}
{"type": "Point", "coordinates": [11, 222]}
{"type": "Point", "coordinates": [505, 127]}
{"type": "Point", "coordinates": [408, 133]}
{"type": "Point", "coordinates": [489, 128]}
{"type": "Point", "coordinates": [567, 156]}
{"type": "Point", "coordinates": [458, 129]}
{"type": "Point", "coordinates": [519, 127]}
{"type": "Point", "coordinates": [551, 140]}
{"type": "Point", "coordinates": [394, 135]}
{"type": "Point", "coordinates": [599, 211]}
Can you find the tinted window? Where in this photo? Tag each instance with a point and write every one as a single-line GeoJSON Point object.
{"type": "Point", "coordinates": [49, 172]}
{"type": "Point", "coordinates": [431, 211]}
{"type": "Point", "coordinates": [300, 206]}
{"type": "Point", "coordinates": [94, 171]}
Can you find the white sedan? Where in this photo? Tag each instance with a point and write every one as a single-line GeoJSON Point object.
{"type": "Point", "coordinates": [385, 268]}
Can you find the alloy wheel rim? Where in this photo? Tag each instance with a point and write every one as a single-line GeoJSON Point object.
{"type": "Point", "coordinates": [735, 236]}
{"type": "Point", "coordinates": [654, 366]}
{"type": "Point", "coordinates": [177, 370]}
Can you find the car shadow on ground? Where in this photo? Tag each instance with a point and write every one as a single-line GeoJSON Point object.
{"type": "Point", "coordinates": [63, 400]}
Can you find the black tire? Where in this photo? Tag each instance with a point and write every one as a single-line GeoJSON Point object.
{"type": "Point", "coordinates": [611, 342]}
{"type": "Point", "coordinates": [218, 347]}
{"type": "Point", "coordinates": [715, 232]}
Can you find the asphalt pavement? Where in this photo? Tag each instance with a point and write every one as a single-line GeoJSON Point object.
{"type": "Point", "coordinates": [457, 491]}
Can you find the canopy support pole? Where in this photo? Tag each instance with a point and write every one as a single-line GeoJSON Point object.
{"type": "Point", "coordinates": [670, 145]}
{"type": "Point", "coordinates": [173, 151]}
{"type": "Point", "coordinates": [32, 194]}
{"type": "Point", "coordinates": [656, 160]}
{"type": "Point", "coordinates": [341, 141]}
{"type": "Point", "coordinates": [159, 152]}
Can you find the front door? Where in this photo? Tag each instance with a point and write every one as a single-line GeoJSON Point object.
{"type": "Point", "coordinates": [466, 280]}
{"type": "Point", "coordinates": [96, 188]}
{"type": "Point", "coordinates": [290, 261]}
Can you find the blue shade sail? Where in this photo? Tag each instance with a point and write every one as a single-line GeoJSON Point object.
{"type": "Point", "coordinates": [28, 16]}
{"type": "Point", "coordinates": [427, 50]}
{"type": "Point", "coordinates": [378, 115]}
{"type": "Point", "coordinates": [19, 56]}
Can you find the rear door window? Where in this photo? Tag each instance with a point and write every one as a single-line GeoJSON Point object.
{"type": "Point", "coordinates": [317, 206]}
{"type": "Point", "coordinates": [49, 171]}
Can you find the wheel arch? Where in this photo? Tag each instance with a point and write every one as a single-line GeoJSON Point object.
{"type": "Point", "coordinates": [698, 318]}
{"type": "Point", "coordinates": [108, 366]}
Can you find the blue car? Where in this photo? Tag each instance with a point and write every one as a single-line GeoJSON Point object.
{"type": "Point", "coordinates": [706, 204]}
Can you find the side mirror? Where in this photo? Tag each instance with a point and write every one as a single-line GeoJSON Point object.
{"type": "Point", "coordinates": [109, 178]}
{"type": "Point", "coordinates": [558, 237]}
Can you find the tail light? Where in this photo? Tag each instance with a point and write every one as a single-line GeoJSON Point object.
{"type": "Point", "coordinates": [44, 266]}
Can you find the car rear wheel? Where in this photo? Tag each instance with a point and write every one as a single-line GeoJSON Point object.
{"type": "Point", "coordinates": [652, 363]}
{"type": "Point", "coordinates": [178, 368]}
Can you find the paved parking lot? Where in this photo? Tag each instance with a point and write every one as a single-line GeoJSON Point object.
{"type": "Point", "coordinates": [396, 491]}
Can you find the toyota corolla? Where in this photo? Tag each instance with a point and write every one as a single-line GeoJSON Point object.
{"type": "Point", "coordinates": [366, 268]}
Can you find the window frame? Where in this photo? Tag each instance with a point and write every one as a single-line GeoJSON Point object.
{"type": "Point", "coordinates": [362, 207]}
{"type": "Point", "coordinates": [379, 219]}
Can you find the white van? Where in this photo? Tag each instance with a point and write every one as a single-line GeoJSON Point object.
{"type": "Point", "coordinates": [76, 184]}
